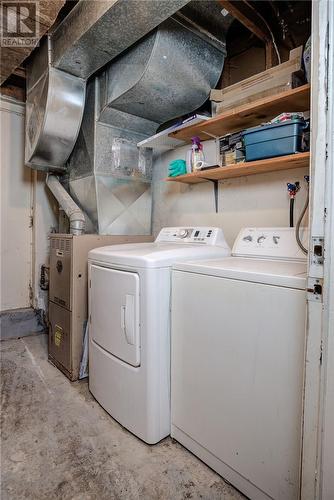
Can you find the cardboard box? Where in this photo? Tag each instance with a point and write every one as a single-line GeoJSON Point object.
{"type": "Point", "coordinates": [285, 76]}
{"type": "Point", "coordinates": [230, 149]}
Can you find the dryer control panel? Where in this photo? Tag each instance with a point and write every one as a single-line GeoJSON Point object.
{"type": "Point", "coordinates": [269, 242]}
{"type": "Point", "coordinates": [186, 234]}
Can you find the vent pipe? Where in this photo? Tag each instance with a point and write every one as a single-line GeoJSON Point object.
{"type": "Point", "coordinates": [73, 212]}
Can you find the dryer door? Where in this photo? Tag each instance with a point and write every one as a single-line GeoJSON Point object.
{"type": "Point", "coordinates": [114, 312]}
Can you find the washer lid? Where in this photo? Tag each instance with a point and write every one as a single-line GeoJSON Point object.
{"type": "Point", "coordinates": [270, 272]}
{"type": "Point", "coordinates": [154, 255]}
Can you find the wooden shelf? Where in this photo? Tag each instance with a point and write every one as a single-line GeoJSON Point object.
{"type": "Point", "coordinates": [297, 160]}
{"type": "Point", "coordinates": [248, 115]}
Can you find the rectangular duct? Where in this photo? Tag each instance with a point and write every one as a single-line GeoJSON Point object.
{"type": "Point", "coordinates": [109, 177]}
{"type": "Point", "coordinates": [91, 35]}
{"type": "Point", "coordinates": [167, 72]}
{"type": "Point", "coordinates": [95, 32]}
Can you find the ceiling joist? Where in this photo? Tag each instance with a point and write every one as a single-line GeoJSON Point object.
{"type": "Point", "coordinates": [12, 57]}
{"type": "Point", "coordinates": [247, 15]}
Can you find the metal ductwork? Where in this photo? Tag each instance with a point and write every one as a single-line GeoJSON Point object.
{"type": "Point", "coordinates": [109, 177]}
{"type": "Point", "coordinates": [54, 109]}
{"type": "Point", "coordinates": [153, 76]}
{"type": "Point", "coordinates": [95, 32]}
{"type": "Point", "coordinates": [89, 37]}
{"type": "Point", "coordinates": [168, 73]}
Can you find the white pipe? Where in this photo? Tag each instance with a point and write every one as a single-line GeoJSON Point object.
{"type": "Point", "coordinates": [73, 212]}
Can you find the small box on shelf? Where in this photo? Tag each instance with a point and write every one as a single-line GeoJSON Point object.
{"type": "Point", "coordinates": [230, 149]}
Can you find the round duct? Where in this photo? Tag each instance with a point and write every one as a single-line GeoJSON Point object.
{"type": "Point", "coordinates": [54, 109]}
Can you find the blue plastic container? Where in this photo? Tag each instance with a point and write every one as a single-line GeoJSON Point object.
{"type": "Point", "coordinates": [277, 139]}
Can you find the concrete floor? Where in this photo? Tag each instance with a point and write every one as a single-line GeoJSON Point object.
{"type": "Point", "coordinates": [57, 442]}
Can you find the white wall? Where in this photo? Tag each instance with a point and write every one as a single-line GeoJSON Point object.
{"type": "Point", "coordinates": [23, 193]}
{"type": "Point", "coordinates": [45, 212]}
{"type": "Point", "coordinates": [258, 200]}
{"type": "Point", "coordinates": [16, 233]}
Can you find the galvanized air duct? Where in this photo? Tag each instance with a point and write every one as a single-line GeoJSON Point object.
{"type": "Point", "coordinates": [54, 109]}
{"type": "Point", "coordinates": [168, 73]}
{"type": "Point", "coordinates": [95, 32]}
{"type": "Point", "coordinates": [109, 177]}
{"type": "Point", "coordinates": [73, 212]}
{"type": "Point", "coordinates": [92, 34]}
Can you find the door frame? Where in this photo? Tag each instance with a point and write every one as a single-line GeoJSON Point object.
{"type": "Point", "coordinates": [318, 433]}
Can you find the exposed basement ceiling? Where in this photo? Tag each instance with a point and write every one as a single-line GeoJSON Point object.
{"type": "Point", "coordinates": [12, 57]}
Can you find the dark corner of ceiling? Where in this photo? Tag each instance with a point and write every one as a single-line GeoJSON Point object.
{"type": "Point", "coordinates": [14, 85]}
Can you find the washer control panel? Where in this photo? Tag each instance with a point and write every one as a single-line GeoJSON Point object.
{"type": "Point", "coordinates": [268, 242]}
{"type": "Point", "coordinates": [201, 235]}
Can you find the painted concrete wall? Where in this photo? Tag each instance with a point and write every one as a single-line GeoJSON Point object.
{"type": "Point", "coordinates": [259, 200]}
{"type": "Point", "coordinates": [16, 233]}
{"type": "Point", "coordinates": [23, 193]}
{"type": "Point", "coordinates": [45, 213]}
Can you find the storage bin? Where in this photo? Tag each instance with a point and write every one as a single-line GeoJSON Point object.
{"type": "Point", "coordinates": [277, 139]}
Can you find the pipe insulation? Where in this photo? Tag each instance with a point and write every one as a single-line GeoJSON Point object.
{"type": "Point", "coordinates": [73, 212]}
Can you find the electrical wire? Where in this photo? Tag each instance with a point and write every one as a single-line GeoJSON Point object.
{"type": "Point", "coordinates": [271, 33]}
{"type": "Point", "coordinates": [300, 244]}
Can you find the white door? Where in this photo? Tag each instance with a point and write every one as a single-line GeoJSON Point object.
{"type": "Point", "coordinates": [114, 312]}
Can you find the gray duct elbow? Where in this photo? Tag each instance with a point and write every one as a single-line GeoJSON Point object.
{"type": "Point", "coordinates": [73, 212]}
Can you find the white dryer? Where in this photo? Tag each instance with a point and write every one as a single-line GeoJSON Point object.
{"type": "Point", "coordinates": [238, 339]}
{"type": "Point", "coordinates": [129, 314]}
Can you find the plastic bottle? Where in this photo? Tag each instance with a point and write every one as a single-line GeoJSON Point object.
{"type": "Point", "coordinates": [188, 161]}
{"type": "Point", "coordinates": [195, 155]}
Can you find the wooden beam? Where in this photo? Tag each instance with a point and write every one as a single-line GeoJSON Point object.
{"type": "Point", "coordinates": [12, 57]}
{"type": "Point", "coordinates": [20, 72]}
{"type": "Point", "coordinates": [271, 56]}
{"type": "Point", "coordinates": [14, 92]}
{"type": "Point", "coordinates": [248, 17]}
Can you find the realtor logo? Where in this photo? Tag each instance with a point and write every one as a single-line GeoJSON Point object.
{"type": "Point", "coordinates": [19, 24]}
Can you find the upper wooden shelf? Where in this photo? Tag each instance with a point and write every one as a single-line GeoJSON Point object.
{"type": "Point", "coordinates": [248, 115]}
{"type": "Point", "coordinates": [297, 160]}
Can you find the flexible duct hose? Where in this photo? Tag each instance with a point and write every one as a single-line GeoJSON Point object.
{"type": "Point", "coordinates": [300, 244]}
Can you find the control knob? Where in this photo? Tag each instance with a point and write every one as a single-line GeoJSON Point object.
{"type": "Point", "coordinates": [247, 238]}
{"type": "Point", "coordinates": [183, 233]}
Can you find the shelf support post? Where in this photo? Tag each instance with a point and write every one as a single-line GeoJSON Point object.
{"type": "Point", "coordinates": [216, 192]}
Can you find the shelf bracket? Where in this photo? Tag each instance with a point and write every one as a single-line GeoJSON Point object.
{"type": "Point", "coordinates": [215, 191]}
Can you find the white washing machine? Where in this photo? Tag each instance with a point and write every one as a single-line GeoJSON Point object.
{"type": "Point", "coordinates": [129, 312]}
{"type": "Point", "coordinates": [238, 339]}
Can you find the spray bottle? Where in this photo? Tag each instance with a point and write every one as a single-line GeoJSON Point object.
{"type": "Point", "coordinates": [195, 155]}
